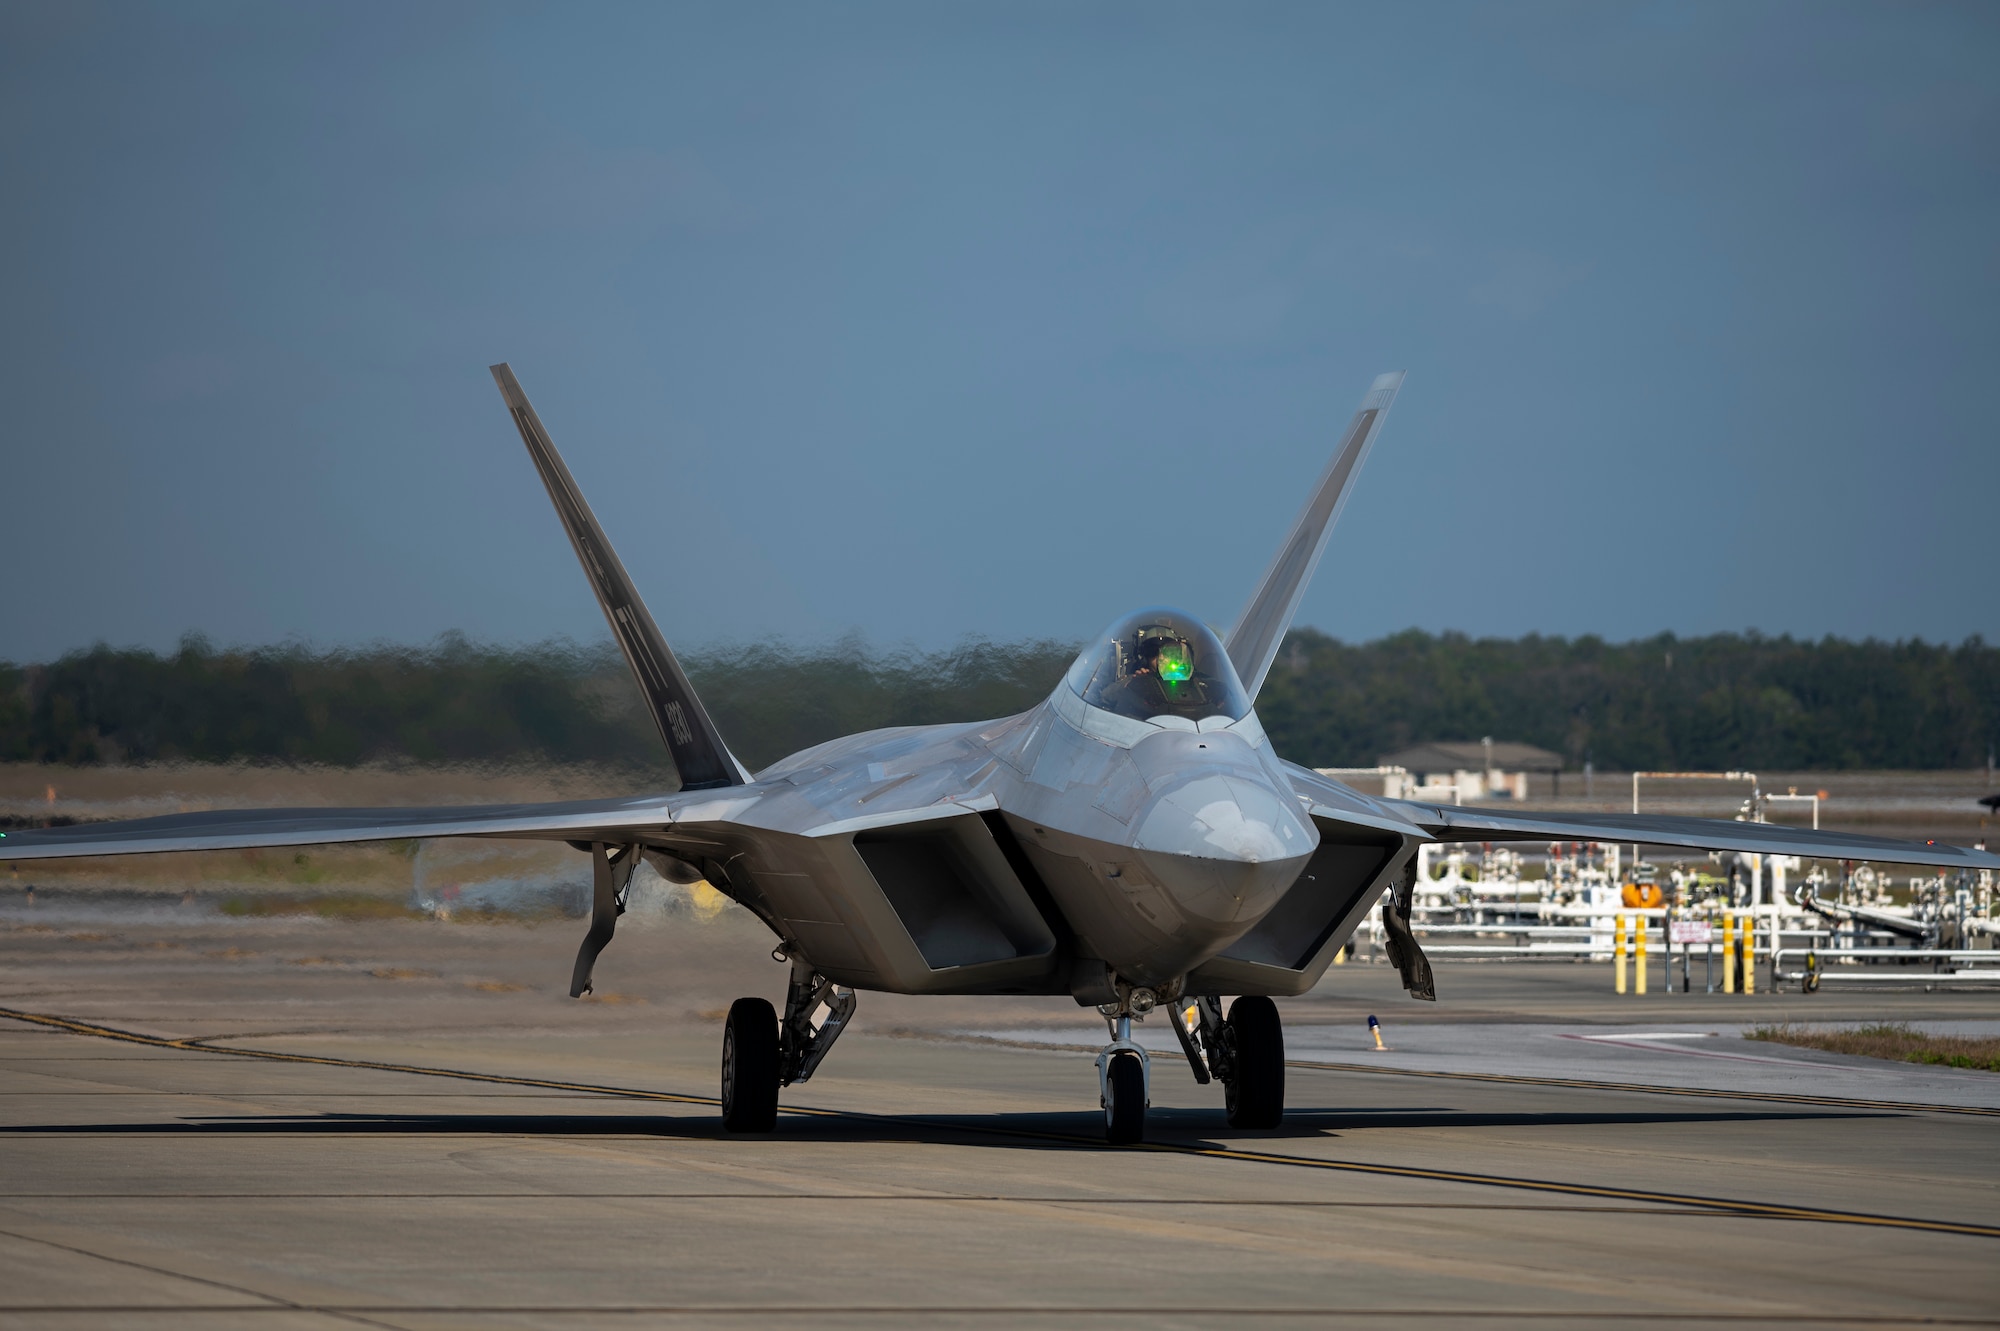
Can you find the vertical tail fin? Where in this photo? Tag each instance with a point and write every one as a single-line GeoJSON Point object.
{"type": "Point", "coordinates": [1253, 643]}
{"type": "Point", "coordinates": [699, 754]}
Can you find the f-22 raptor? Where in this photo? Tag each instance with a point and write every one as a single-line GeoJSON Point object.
{"type": "Point", "coordinates": [1132, 841]}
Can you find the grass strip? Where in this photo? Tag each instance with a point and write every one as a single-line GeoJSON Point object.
{"type": "Point", "coordinates": [1898, 1041]}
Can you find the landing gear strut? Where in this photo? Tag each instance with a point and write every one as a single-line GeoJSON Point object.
{"type": "Point", "coordinates": [1124, 1083]}
{"type": "Point", "coordinates": [804, 1044]}
{"type": "Point", "coordinates": [760, 1053]}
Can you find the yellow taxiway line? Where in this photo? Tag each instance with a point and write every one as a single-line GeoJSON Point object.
{"type": "Point", "coordinates": [1710, 1205]}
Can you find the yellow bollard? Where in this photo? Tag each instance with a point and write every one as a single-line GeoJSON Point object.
{"type": "Point", "coordinates": [1728, 953]}
{"type": "Point", "coordinates": [1749, 946]}
{"type": "Point", "coordinates": [1639, 928]}
{"type": "Point", "coordinates": [1618, 951]}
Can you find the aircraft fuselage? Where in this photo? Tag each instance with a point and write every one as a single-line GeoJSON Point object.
{"type": "Point", "coordinates": [1162, 854]}
{"type": "Point", "coordinates": [1150, 847]}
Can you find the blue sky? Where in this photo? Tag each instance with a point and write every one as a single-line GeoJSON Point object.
{"type": "Point", "coordinates": [927, 320]}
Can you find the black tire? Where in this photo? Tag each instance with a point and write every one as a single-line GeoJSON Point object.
{"type": "Point", "coordinates": [1256, 1094]}
{"type": "Point", "coordinates": [750, 1067]}
{"type": "Point", "coordinates": [1125, 1100]}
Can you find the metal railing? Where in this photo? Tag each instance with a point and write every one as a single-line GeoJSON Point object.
{"type": "Point", "coordinates": [1636, 939]}
{"type": "Point", "coordinates": [1743, 947]}
{"type": "Point", "coordinates": [1817, 971]}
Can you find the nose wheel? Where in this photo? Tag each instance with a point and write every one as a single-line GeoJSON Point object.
{"type": "Point", "coordinates": [1124, 1084]}
{"type": "Point", "coordinates": [1245, 1052]}
{"type": "Point", "coordinates": [1125, 1100]}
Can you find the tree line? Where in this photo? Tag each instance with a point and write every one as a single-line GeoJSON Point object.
{"type": "Point", "coordinates": [1721, 701]}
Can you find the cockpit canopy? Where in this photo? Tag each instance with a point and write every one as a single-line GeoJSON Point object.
{"type": "Point", "coordinates": [1159, 662]}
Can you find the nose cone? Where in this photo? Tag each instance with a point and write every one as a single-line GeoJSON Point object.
{"type": "Point", "coordinates": [1225, 847]}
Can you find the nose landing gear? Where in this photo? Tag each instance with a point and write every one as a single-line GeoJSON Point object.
{"type": "Point", "coordinates": [1124, 1083]}
{"type": "Point", "coordinates": [1125, 1099]}
{"type": "Point", "coordinates": [1245, 1052]}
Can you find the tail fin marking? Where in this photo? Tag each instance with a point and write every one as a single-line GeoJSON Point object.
{"type": "Point", "coordinates": [703, 760]}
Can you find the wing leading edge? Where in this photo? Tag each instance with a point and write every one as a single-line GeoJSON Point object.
{"type": "Point", "coordinates": [612, 820]}
{"type": "Point", "coordinates": [1449, 822]}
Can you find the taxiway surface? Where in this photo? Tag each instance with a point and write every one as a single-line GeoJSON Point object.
{"type": "Point", "coordinates": [300, 1123]}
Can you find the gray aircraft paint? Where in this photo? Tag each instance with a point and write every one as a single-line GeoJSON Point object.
{"type": "Point", "coordinates": [1253, 643]}
{"type": "Point", "coordinates": [1047, 852]}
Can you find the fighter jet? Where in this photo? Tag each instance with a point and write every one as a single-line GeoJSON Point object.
{"type": "Point", "coordinates": [1132, 842]}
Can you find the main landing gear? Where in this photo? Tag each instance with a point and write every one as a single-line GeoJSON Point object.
{"type": "Point", "coordinates": [1245, 1052]}
{"type": "Point", "coordinates": [761, 1053]}
{"type": "Point", "coordinates": [1253, 1089]}
{"type": "Point", "coordinates": [750, 1067]}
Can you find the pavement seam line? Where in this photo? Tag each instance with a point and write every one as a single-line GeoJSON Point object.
{"type": "Point", "coordinates": [1577, 1083]}
{"type": "Point", "coordinates": [1721, 1205]}
{"type": "Point", "coordinates": [1623, 1315]}
{"type": "Point", "coordinates": [272, 1303]}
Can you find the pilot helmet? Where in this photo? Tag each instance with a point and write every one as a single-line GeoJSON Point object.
{"type": "Point", "coordinates": [1168, 654]}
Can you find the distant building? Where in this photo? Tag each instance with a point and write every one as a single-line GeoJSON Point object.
{"type": "Point", "coordinates": [1457, 772]}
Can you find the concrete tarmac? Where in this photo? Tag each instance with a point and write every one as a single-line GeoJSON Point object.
{"type": "Point", "coordinates": [276, 1123]}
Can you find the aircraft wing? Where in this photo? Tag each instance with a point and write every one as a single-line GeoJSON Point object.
{"type": "Point", "coordinates": [1340, 802]}
{"type": "Point", "coordinates": [612, 820]}
{"type": "Point", "coordinates": [1450, 822]}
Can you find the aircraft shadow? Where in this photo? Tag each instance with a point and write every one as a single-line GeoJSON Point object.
{"type": "Point", "coordinates": [1046, 1131]}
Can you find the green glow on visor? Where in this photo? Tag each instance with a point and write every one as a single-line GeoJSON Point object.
{"type": "Point", "coordinates": [1176, 662]}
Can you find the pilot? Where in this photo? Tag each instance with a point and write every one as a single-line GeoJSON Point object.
{"type": "Point", "coordinates": [1161, 680]}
